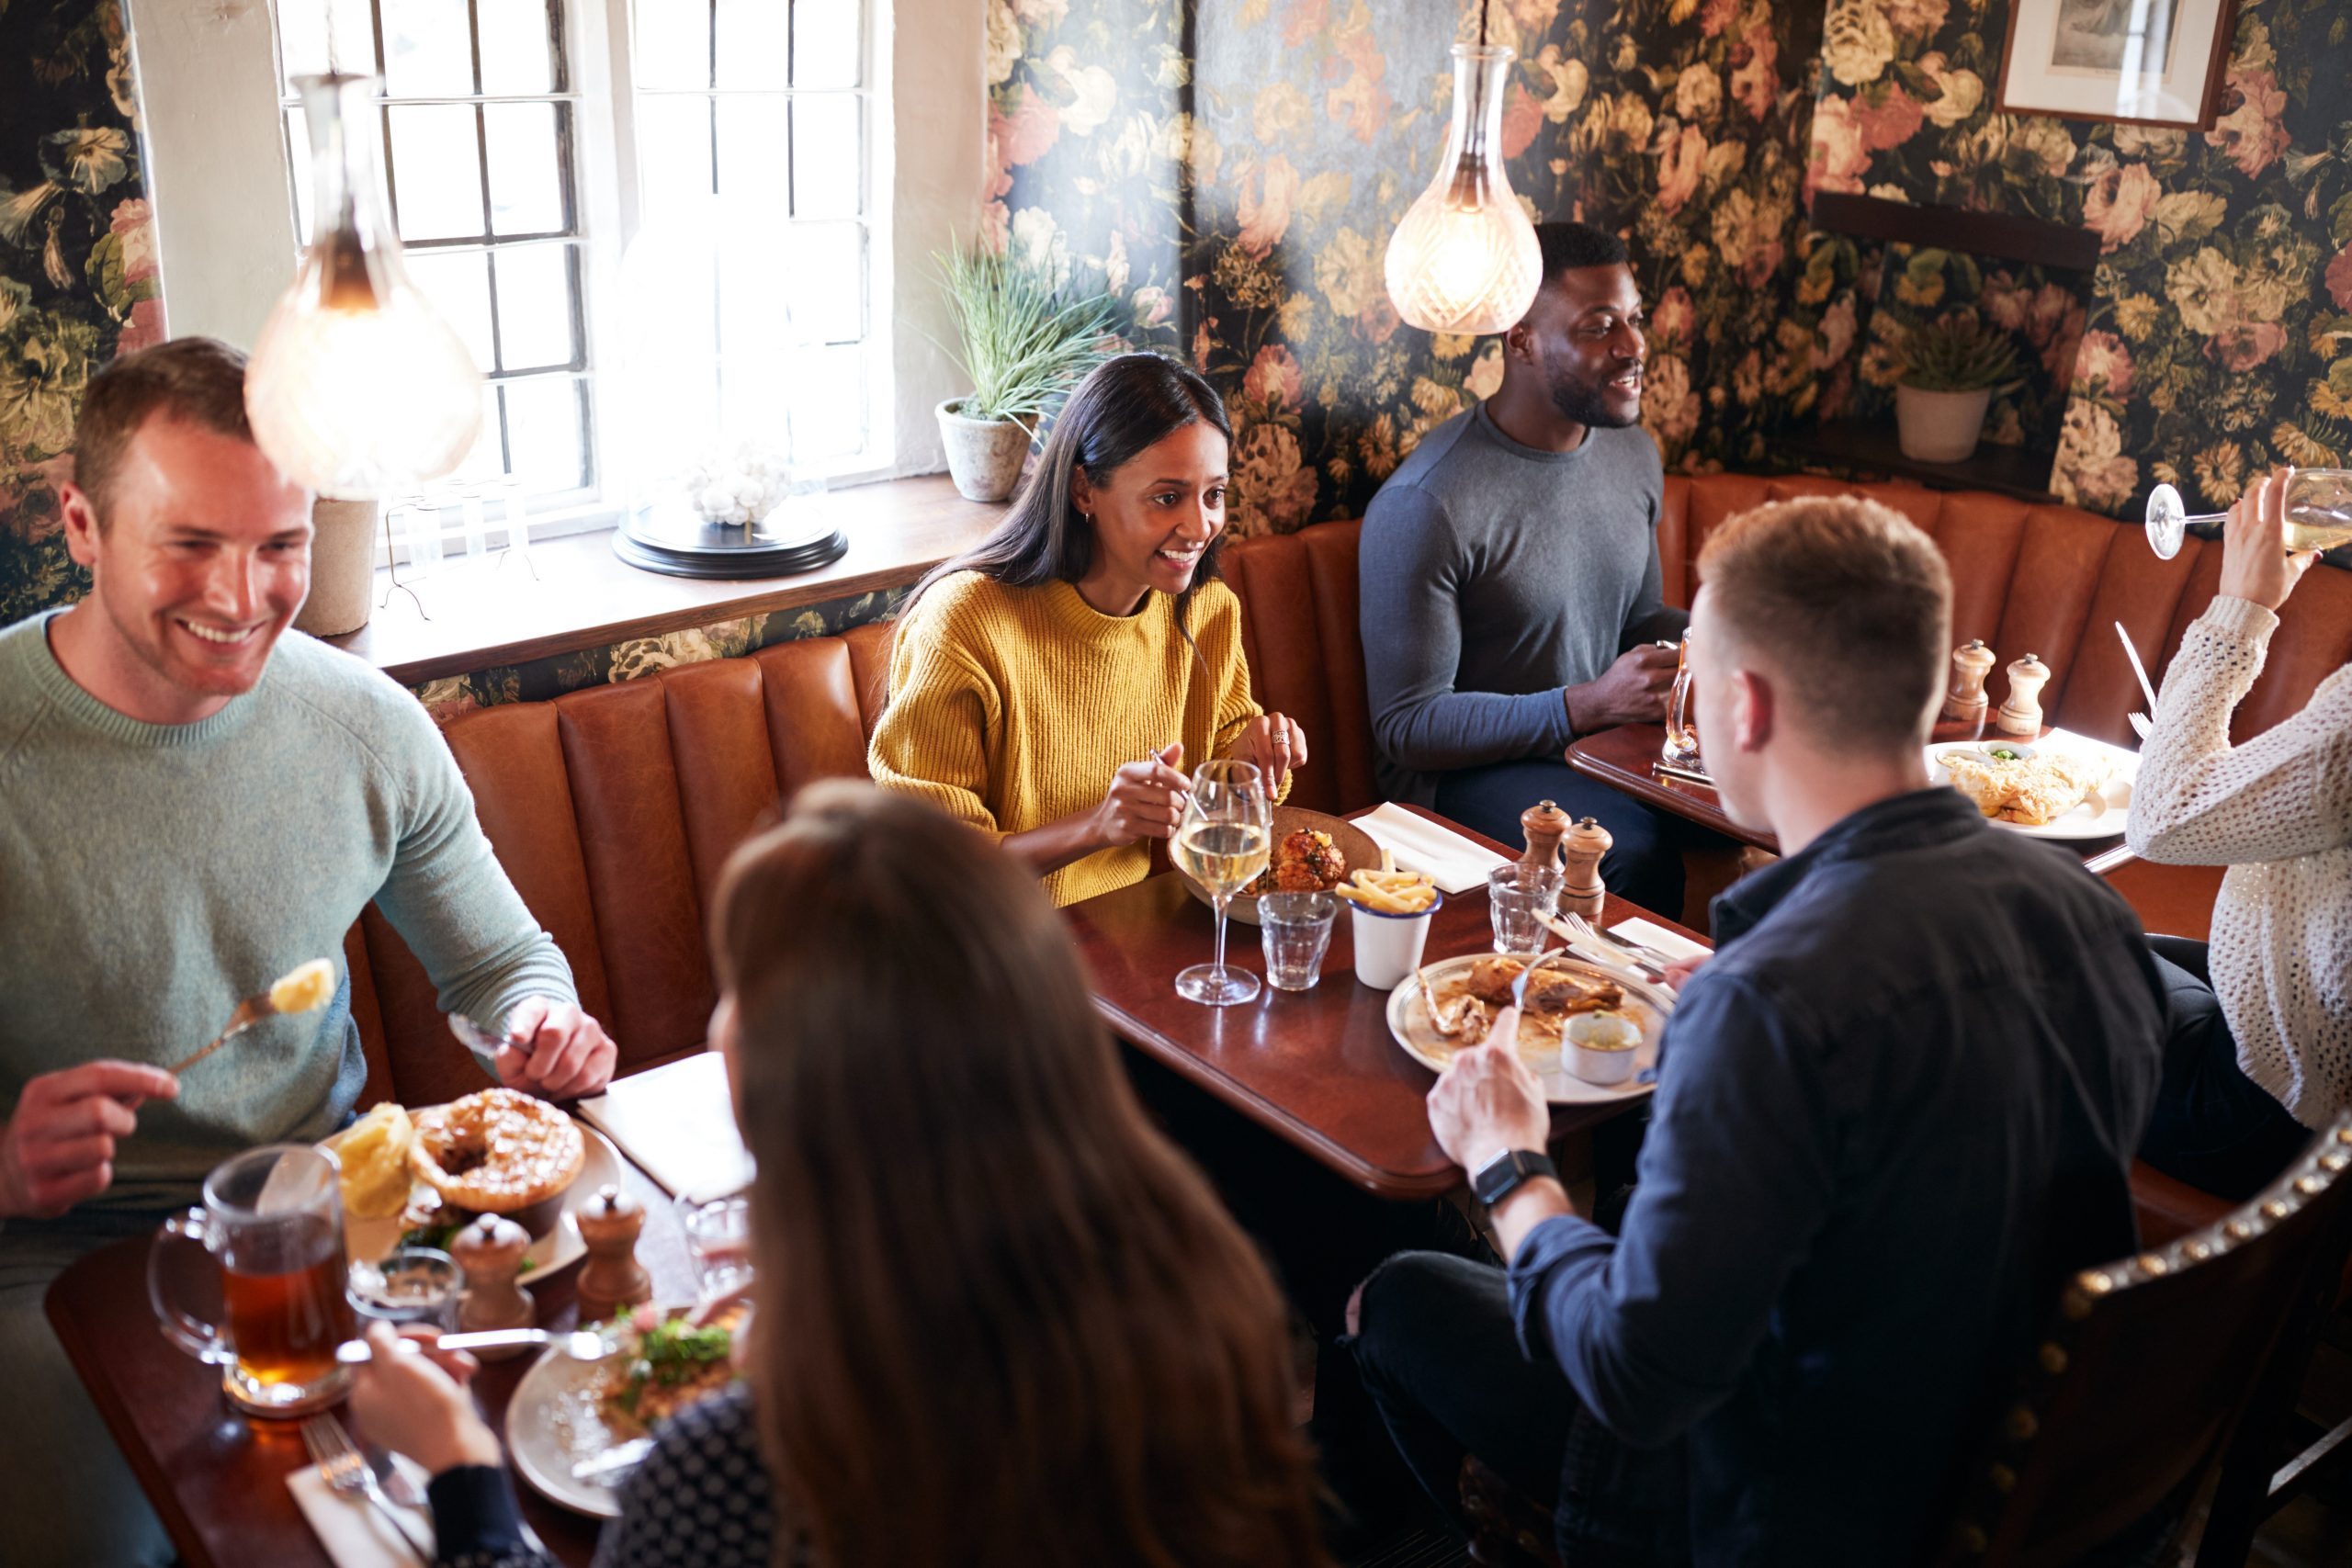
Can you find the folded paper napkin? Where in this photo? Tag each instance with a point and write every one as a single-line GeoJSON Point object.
{"type": "Point", "coordinates": [354, 1531]}
{"type": "Point", "coordinates": [1658, 937]}
{"type": "Point", "coordinates": [678, 1122]}
{"type": "Point", "coordinates": [1446, 857]}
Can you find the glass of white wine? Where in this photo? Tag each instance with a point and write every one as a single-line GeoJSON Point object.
{"type": "Point", "coordinates": [1223, 843]}
{"type": "Point", "coordinates": [2319, 514]}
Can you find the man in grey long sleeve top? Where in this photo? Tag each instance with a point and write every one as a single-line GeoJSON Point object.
{"type": "Point", "coordinates": [1511, 597]}
{"type": "Point", "coordinates": [192, 802]}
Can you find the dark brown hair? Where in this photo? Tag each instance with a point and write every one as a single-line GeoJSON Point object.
{"type": "Point", "coordinates": [200, 379]}
{"type": "Point", "coordinates": [1128, 404]}
{"type": "Point", "coordinates": [1848, 601]}
{"type": "Point", "coordinates": [1002, 1320]}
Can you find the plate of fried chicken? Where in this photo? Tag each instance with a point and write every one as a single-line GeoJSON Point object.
{"type": "Point", "coordinates": [1313, 853]}
{"type": "Point", "coordinates": [1448, 1006]}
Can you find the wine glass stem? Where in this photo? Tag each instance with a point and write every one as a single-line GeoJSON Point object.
{"type": "Point", "coordinates": [2215, 518]}
{"type": "Point", "coordinates": [1220, 931]}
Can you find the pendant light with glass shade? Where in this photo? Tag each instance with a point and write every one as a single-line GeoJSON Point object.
{"type": "Point", "coordinates": [357, 388]}
{"type": "Point", "coordinates": [1465, 258]}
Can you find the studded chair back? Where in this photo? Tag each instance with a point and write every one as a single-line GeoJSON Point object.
{"type": "Point", "coordinates": [2150, 1365]}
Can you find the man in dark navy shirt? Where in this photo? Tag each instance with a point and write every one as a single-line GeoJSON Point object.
{"type": "Point", "coordinates": [1894, 1111]}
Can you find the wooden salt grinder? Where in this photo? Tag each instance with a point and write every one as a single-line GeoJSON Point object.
{"type": "Point", "coordinates": [1543, 823]}
{"type": "Point", "coordinates": [1582, 847]}
{"type": "Point", "coordinates": [612, 1278]}
{"type": "Point", "coordinates": [2021, 710]}
{"type": "Point", "coordinates": [491, 1252]}
{"type": "Point", "coordinates": [1969, 665]}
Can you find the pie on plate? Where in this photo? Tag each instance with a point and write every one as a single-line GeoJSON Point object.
{"type": "Point", "coordinates": [1581, 987]}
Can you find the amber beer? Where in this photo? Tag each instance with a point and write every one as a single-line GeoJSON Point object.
{"type": "Point", "coordinates": [285, 1306]}
{"type": "Point", "coordinates": [271, 1232]}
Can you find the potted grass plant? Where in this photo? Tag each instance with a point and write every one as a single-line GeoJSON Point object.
{"type": "Point", "coordinates": [1023, 344]}
{"type": "Point", "coordinates": [1952, 367]}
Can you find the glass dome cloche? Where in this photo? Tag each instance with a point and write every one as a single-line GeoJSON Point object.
{"type": "Point", "coordinates": [701, 406]}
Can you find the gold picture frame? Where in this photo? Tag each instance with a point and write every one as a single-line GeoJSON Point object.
{"type": "Point", "coordinates": [2127, 62]}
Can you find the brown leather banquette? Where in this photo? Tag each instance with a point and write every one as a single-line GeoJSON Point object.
{"type": "Point", "coordinates": [613, 808]}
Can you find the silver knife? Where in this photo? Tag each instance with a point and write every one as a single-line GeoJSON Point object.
{"type": "Point", "coordinates": [607, 1468]}
{"type": "Point", "coordinates": [2132, 654]}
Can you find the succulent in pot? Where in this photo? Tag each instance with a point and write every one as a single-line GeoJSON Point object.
{"type": "Point", "coordinates": [1023, 343]}
{"type": "Point", "coordinates": [1950, 368]}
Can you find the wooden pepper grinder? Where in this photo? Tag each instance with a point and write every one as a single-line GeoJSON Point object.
{"type": "Point", "coordinates": [2021, 710]}
{"type": "Point", "coordinates": [612, 1278]}
{"type": "Point", "coordinates": [1969, 665]}
{"type": "Point", "coordinates": [1582, 847]}
{"type": "Point", "coordinates": [1543, 823]}
{"type": "Point", "coordinates": [491, 1252]}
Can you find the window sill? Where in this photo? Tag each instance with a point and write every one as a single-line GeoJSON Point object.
{"type": "Point", "coordinates": [486, 611]}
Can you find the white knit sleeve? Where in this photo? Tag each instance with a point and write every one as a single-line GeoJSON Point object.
{"type": "Point", "coordinates": [2288, 792]}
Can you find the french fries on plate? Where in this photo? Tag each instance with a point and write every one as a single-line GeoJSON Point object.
{"type": "Point", "coordinates": [1390, 892]}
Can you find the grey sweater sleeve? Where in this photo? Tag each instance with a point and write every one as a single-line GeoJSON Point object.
{"type": "Point", "coordinates": [1653, 619]}
{"type": "Point", "coordinates": [451, 900]}
{"type": "Point", "coordinates": [1407, 566]}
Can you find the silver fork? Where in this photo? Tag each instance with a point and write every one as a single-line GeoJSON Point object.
{"type": "Point", "coordinates": [1655, 957]}
{"type": "Point", "coordinates": [1624, 952]}
{"type": "Point", "coordinates": [346, 1472]}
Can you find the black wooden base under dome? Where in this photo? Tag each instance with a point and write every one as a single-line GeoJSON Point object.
{"type": "Point", "coordinates": [685, 546]}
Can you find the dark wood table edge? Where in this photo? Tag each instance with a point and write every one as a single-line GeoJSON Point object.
{"type": "Point", "coordinates": [154, 1480]}
{"type": "Point", "coordinates": [1582, 759]}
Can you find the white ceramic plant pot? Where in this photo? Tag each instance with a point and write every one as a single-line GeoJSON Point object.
{"type": "Point", "coordinates": [343, 567]}
{"type": "Point", "coordinates": [1940, 428]}
{"type": "Point", "coordinates": [983, 454]}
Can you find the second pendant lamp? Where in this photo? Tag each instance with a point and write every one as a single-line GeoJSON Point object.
{"type": "Point", "coordinates": [1464, 257]}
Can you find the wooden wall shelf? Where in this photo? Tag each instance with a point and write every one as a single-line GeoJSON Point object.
{"type": "Point", "coordinates": [1872, 447]}
{"type": "Point", "coordinates": [2000, 235]}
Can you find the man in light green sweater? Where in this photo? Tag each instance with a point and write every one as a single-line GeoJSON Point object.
{"type": "Point", "coordinates": [191, 804]}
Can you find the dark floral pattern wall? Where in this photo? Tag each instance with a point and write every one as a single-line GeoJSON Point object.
{"type": "Point", "coordinates": [1232, 169]}
{"type": "Point", "coordinates": [2217, 333]}
{"type": "Point", "coordinates": [78, 279]}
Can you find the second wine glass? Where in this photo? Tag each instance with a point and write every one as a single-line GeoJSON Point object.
{"type": "Point", "coordinates": [1223, 843]}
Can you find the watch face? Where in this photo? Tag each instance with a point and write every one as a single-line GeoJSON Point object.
{"type": "Point", "coordinates": [1503, 1174]}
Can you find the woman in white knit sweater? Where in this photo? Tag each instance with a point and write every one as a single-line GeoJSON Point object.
{"type": "Point", "coordinates": [2260, 1051]}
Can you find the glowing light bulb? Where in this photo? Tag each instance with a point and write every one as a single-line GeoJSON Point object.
{"type": "Point", "coordinates": [359, 387]}
{"type": "Point", "coordinates": [1464, 257]}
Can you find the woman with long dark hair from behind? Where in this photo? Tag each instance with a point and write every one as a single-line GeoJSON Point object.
{"type": "Point", "coordinates": [1052, 686]}
{"type": "Point", "coordinates": [1000, 1319]}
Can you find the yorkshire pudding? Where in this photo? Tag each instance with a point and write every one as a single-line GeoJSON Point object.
{"type": "Point", "coordinates": [497, 1152]}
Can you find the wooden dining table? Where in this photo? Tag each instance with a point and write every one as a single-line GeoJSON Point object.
{"type": "Point", "coordinates": [216, 1476]}
{"type": "Point", "coordinates": [1316, 1067]}
{"type": "Point", "coordinates": [1625, 759]}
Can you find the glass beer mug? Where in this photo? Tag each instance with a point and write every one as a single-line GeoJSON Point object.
{"type": "Point", "coordinates": [2319, 514]}
{"type": "Point", "coordinates": [1682, 747]}
{"type": "Point", "coordinates": [271, 1228]}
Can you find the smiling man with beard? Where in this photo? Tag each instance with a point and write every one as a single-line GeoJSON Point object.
{"type": "Point", "coordinates": [1511, 594]}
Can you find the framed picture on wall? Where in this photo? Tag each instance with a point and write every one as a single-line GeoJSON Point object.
{"type": "Point", "coordinates": [2136, 61]}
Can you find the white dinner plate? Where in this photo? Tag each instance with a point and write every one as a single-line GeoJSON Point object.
{"type": "Point", "coordinates": [555, 1421]}
{"type": "Point", "coordinates": [1646, 1005]}
{"type": "Point", "coordinates": [560, 1248]}
{"type": "Point", "coordinates": [2102, 816]}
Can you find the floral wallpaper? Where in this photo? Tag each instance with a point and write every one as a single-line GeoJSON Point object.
{"type": "Point", "coordinates": [2216, 330]}
{"type": "Point", "coordinates": [1231, 170]}
{"type": "Point", "coordinates": [544, 678]}
{"type": "Point", "coordinates": [78, 279]}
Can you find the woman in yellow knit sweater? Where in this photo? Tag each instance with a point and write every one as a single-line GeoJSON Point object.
{"type": "Point", "coordinates": [1049, 686]}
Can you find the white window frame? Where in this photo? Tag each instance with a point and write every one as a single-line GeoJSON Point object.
{"type": "Point", "coordinates": [219, 175]}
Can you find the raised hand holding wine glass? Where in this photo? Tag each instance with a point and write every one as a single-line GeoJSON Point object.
{"type": "Point", "coordinates": [2253, 566]}
{"type": "Point", "coordinates": [1223, 843]}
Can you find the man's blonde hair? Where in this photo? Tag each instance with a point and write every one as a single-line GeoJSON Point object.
{"type": "Point", "coordinates": [1848, 602]}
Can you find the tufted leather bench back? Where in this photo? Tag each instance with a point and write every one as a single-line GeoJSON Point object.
{"type": "Point", "coordinates": [614, 808]}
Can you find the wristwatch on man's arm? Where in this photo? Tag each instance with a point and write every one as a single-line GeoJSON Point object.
{"type": "Point", "coordinates": [1507, 1172]}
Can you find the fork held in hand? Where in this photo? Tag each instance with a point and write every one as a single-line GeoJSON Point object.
{"type": "Point", "coordinates": [346, 1472]}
